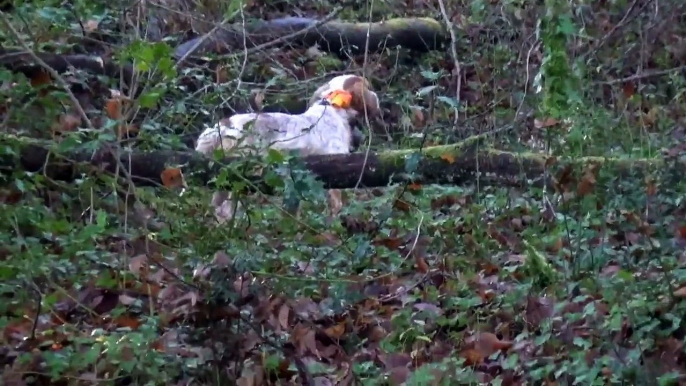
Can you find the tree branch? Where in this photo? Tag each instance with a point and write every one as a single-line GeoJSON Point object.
{"type": "Point", "coordinates": [449, 164]}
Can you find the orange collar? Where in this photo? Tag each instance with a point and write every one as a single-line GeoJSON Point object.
{"type": "Point", "coordinates": [339, 98]}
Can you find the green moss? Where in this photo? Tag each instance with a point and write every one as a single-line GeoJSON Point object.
{"type": "Point", "coordinates": [329, 63]}
{"type": "Point", "coordinates": [413, 22]}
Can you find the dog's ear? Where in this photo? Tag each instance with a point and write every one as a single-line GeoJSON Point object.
{"type": "Point", "coordinates": [363, 98]}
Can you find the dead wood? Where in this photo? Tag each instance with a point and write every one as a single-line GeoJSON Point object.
{"type": "Point", "coordinates": [457, 164]}
{"type": "Point", "coordinates": [21, 61]}
{"type": "Point", "coordinates": [416, 34]}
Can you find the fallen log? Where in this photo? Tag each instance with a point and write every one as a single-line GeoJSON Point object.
{"type": "Point", "coordinates": [416, 34]}
{"type": "Point", "coordinates": [17, 60]}
{"type": "Point", "coordinates": [457, 164]}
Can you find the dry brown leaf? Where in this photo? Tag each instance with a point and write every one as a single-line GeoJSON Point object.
{"type": "Point", "coordinates": [136, 263]}
{"type": "Point", "coordinates": [242, 285]}
{"type": "Point", "coordinates": [222, 74]}
{"type": "Point", "coordinates": [113, 108]}
{"type": "Point", "coordinates": [681, 232]}
{"type": "Point", "coordinates": [401, 205]}
{"type": "Point", "coordinates": [418, 119]}
{"type": "Point", "coordinates": [40, 78]}
{"type": "Point", "coordinates": [414, 187]}
{"type": "Point", "coordinates": [304, 339]}
{"type": "Point", "coordinates": [651, 187]}
{"type": "Point", "coordinates": [422, 265]}
{"type": "Point", "coordinates": [66, 123]}
{"type": "Point", "coordinates": [284, 312]}
{"type": "Point", "coordinates": [391, 243]}
{"type": "Point", "coordinates": [586, 184]}
{"type": "Point", "coordinates": [126, 321]}
{"type": "Point", "coordinates": [126, 130]}
{"type": "Point", "coordinates": [680, 293]}
{"type": "Point", "coordinates": [629, 89]}
{"type": "Point", "coordinates": [172, 178]}
{"type": "Point", "coordinates": [336, 331]}
{"type": "Point", "coordinates": [546, 122]}
{"type": "Point", "coordinates": [482, 345]}
{"type": "Point", "coordinates": [256, 99]}
{"type": "Point", "coordinates": [449, 158]}
{"type": "Point", "coordinates": [377, 333]}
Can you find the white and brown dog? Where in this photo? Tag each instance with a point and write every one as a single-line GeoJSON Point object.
{"type": "Point", "coordinates": [325, 128]}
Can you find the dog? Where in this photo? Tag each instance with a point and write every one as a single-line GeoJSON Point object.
{"type": "Point", "coordinates": [327, 127]}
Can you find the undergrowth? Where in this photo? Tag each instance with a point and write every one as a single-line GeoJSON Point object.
{"type": "Point", "coordinates": [579, 278]}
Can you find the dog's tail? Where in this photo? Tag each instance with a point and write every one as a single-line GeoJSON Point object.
{"type": "Point", "coordinates": [219, 136]}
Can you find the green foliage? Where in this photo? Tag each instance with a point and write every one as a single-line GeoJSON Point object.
{"type": "Point", "coordinates": [107, 282]}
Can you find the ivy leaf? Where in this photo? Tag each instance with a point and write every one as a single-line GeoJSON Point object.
{"type": "Point", "coordinates": [425, 90]}
{"type": "Point", "coordinates": [452, 102]}
{"type": "Point", "coordinates": [149, 99]}
{"type": "Point", "coordinates": [275, 157]}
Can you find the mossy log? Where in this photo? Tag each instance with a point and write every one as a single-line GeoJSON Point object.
{"type": "Point", "coordinates": [457, 164]}
{"type": "Point", "coordinates": [18, 60]}
{"type": "Point", "coordinates": [416, 34]}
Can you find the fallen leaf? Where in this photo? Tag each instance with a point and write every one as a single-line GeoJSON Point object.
{"type": "Point", "coordinates": [113, 108]}
{"type": "Point", "coordinates": [414, 187]}
{"type": "Point", "coordinates": [449, 158]}
{"type": "Point", "coordinates": [418, 118]}
{"type": "Point", "coordinates": [422, 265]}
{"type": "Point", "coordinates": [651, 188]}
{"type": "Point", "coordinates": [126, 321]}
{"type": "Point", "coordinates": [335, 331]}
{"type": "Point", "coordinates": [137, 263]}
{"type": "Point", "coordinates": [401, 205]}
{"type": "Point", "coordinates": [680, 293]}
{"type": "Point", "coordinates": [172, 178]}
{"type": "Point", "coordinates": [586, 183]}
{"type": "Point", "coordinates": [481, 346]}
{"type": "Point", "coordinates": [543, 123]}
{"type": "Point", "coordinates": [629, 89]}
{"type": "Point", "coordinates": [40, 78]}
{"type": "Point", "coordinates": [472, 356]}
{"type": "Point", "coordinates": [391, 243]}
{"type": "Point", "coordinates": [681, 231]}
{"type": "Point", "coordinates": [304, 340]}
{"type": "Point", "coordinates": [284, 312]}
{"type": "Point", "coordinates": [66, 123]}
{"type": "Point", "coordinates": [256, 99]}
{"type": "Point", "coordinates": [126, 130]}
{"type": "Point", "coordinates": [222, 74]}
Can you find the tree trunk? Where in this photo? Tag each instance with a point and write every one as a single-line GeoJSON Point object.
{"type": "Point", "coordinates": [456, 164]}
{"type": "Point", "coordinates": [416, 34]}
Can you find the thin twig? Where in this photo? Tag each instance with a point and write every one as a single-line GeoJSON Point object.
{"type": "Point", "coordinates": [621, 23]}
{"type": "Point", "coordinates": [200, 41]}
{"type": "Point", "coordinates": [366, 114]}
{"type": "Point", "coordinates": [49, 69]}
{"type": "Point", "coordinates": [647, 74]}
{"type": "Point", "coordinates": [284, 38]}
{"type": "Point", "coordinates": [456, 61]}
{"type": "Point", "coordinates": [67, 89]}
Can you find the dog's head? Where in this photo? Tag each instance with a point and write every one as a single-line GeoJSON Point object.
{"type": "Point", "coordinates": [362, 99]}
